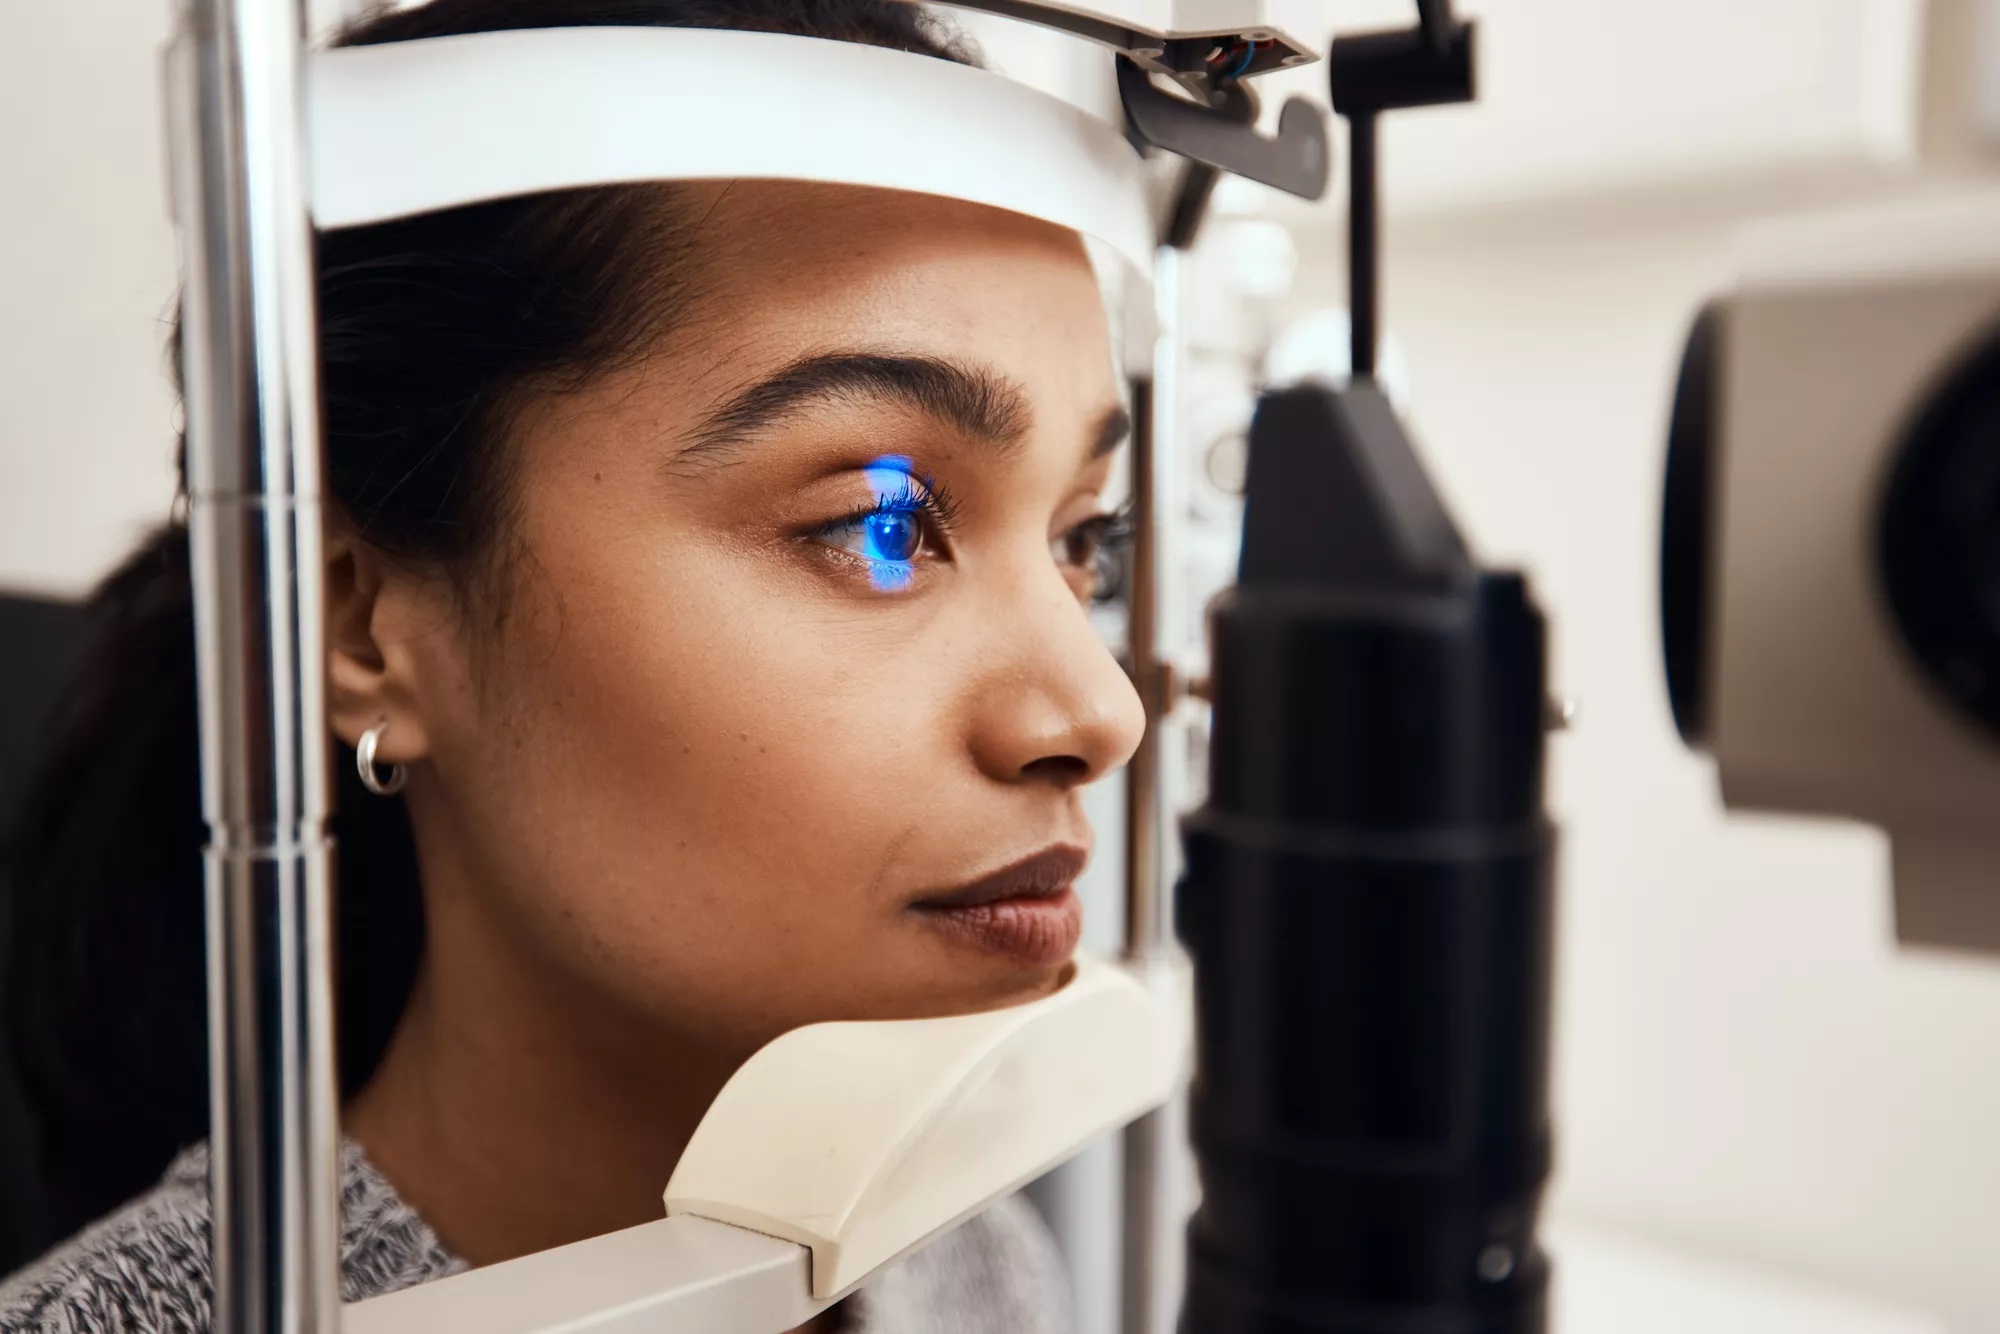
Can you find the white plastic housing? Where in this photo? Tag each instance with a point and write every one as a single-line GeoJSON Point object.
{"type": "Point", "coordinates": [836, 1149]}
{"type": "Point", "coordinates": [1843, 325]}
{"type": "Point", "coordinates": [864, 1140]}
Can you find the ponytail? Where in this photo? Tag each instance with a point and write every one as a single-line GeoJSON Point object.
{"type": "Point", "coordinates": [106, 988]}
{"type": "Point", "coordinates": [105, 984]}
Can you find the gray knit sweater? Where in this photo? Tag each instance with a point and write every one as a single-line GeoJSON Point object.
{"type": "Point", "coordinates": [144, 1269]}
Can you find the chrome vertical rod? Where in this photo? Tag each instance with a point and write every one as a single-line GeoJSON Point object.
{"type": "Point", "coordinates": [249, 369]}
{"type": "Point", "coordinates": [1155, 1152]}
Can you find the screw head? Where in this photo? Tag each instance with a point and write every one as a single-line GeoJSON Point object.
{"type": "Point", "coordinates": [1495, 1263]}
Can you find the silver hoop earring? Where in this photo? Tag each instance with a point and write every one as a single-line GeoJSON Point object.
{"type": "Point", "coordinates": [364, 761]}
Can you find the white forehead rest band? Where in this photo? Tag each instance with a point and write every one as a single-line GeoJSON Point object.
{"type": "Point", "coordinates": [404, 128]}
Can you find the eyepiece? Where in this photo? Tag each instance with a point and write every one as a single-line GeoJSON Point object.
{"type": "Point", "coordinates": [1367, 900]}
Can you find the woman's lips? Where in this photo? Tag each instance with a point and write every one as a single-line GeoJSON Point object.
{"type": "Point", "coordinates": [1026, 911]}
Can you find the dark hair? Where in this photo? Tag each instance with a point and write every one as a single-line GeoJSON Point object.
{"type": "Point", "coordinates": [432, 331]}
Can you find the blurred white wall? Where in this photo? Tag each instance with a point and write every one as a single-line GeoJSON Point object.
{"type": "Point", "coordinates": [86, 285]}
{"type": "Point", "coordinates": [1592, 95]}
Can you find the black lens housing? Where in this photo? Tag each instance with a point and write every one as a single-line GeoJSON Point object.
{"type": "Point", "coordinates": [1938, 536]}
{"type": "Point", "coordinates": [1368, 902]}
{"type": "Point", "coordinates": [1687, 537]}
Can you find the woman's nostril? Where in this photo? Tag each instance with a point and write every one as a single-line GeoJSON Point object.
{"type": "Point", "coordinates": [1067, 770]}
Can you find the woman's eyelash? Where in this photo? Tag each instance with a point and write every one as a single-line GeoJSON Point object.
{"type": "Point", "coordinates": [1112, 531]}
{"type": "Point", "coordinates": [921, 494]}
{"type": "Point", "coordinates": [912, 495]}
{"type": "Point", "coordinates": [1110, 538]}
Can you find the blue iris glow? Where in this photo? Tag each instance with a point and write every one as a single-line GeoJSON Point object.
{"type": "Point", "coordinates": [894, 533]}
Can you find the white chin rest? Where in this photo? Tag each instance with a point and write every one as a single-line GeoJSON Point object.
{"type": "Point", "coordinates": [864, 1140]}
{"type": "Point", "coordinates": [404, 128]}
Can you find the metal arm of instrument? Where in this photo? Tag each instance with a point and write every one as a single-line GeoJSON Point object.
{"type": "Point", "coordinates": [1154, 35]}
{"type": "Point", "coordinates": [1370, 73]}
{"type": "Point", "coordinates": [1434, 16]}
{"type": "Point", "coordinates": [1296, 160]}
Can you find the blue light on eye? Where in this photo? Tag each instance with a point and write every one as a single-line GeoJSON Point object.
{"type": "Point", "coordinates": [889, 476]}
{"type": "Point", "coordinates": [891, 536]}
{"type": "Point", "coordinates": [890, 578]}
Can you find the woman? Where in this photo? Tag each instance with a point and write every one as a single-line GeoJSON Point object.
{"type": "Point", "coordinates": [712, 559]}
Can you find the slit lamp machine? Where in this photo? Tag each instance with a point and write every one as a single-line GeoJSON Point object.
{"type": "Point", "coordinates": [1359, 1051]}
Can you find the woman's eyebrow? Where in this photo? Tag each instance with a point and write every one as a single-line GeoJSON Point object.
{"type": "Point", "coordinates": [977, 402]}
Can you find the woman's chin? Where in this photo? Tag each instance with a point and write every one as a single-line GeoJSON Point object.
{"type": "Point", "coordinates": [976, 984]}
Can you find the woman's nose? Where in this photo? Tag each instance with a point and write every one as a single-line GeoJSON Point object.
{"type": "Point", "coordinates": [1054, 706]}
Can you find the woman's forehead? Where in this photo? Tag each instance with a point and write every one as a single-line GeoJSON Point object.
{"type": "Point", "coordinates": [807, 298]}
{"type": "Point", "coordinates": [796, 231]}
{"type": "Point", "coordinates": [786, 268]}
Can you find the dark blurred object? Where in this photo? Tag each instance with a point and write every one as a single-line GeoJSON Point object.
{"type": "Point", "coordinates": [41, 642]}
{"type": "Point", "coordinates": [1368, 904]}
{"type": "Point", "coordinates": [1939, 537]}
{"type": "Point", "coordinates": [1297, 159]}
{"type": "Point", "coordinates": [1684, 526]}
{"type": "Point", "coordinates": [1368, 74]}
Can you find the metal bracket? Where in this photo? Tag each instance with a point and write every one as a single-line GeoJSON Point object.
{"type": "Point", "coordinates": [1432, 64]}
{"type": "Point", "coordinates": [1189, 56]}
{"type": "Point", "coordinates": [1297, 160]}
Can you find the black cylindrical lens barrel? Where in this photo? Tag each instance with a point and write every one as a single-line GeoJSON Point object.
{"type": "Point", "coordinates": [1367, 900]}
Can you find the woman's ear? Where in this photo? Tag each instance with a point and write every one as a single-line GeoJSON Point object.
{"type": "Point", "coordinates": [371, 667]}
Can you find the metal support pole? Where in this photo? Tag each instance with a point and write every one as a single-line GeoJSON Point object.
{"type": "Point", "coordinates": [1143, 927]}
{"type": "Point", "coordinates": [1155, 1150]}
{"type": "Point", "coordinates": [249, 364]}
{"type": "Point", "coordinates": [1364, 302]}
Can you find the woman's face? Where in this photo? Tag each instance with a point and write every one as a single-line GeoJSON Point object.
{"type": "Point", "coordinates": [795, 640]}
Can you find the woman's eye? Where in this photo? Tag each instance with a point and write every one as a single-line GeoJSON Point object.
{"type": "Point", "coordinates": [909, 522]}
{"type": "Point", "coordinates": [1080, 545]}
{"type": "Point", "coordinates": [891, 540]}
{"type": "Point", "coordinates": [895, 536]}
{"type": "Point", "coordinates": [1091, 555]}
